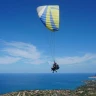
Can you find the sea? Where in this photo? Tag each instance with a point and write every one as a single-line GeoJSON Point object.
{"type": "Point", "coordinates": [10, 82]}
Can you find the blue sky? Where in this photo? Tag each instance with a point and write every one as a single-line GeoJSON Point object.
{"type": "Point", "coordinates": [24, 40]}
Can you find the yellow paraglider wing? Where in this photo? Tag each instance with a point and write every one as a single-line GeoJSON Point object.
{"type": "Point", "coordinates": [49, 16]}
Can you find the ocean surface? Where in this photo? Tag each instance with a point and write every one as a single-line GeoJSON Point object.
{"type": "Point", "coordinates": [32, 81]}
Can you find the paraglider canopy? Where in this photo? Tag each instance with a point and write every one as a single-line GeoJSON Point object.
{"type": "Point", "coordinates": [49, 15]}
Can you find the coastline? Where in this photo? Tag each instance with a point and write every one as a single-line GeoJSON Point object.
{"type": "Point", "coordinates": [94, 77]}
{"type": "Point", "coordinates": [88, 89]}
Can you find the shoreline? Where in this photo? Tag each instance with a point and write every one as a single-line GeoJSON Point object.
{"type": "Point", "coordinates": [89, 89]}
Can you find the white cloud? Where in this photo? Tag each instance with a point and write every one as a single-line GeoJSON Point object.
{"type": "Point", "coordinates": [76, 59]}
{"type": "Point", "coordinates": [37, 61]}
{"type": "Point", "coordinates": [22, 50]}
{"type": "Point", "coordinates": [8, 60]}
{"type": "Point", "coordinates": [28, 53]}
{"type": "Point", "coordinates": [23, 53]}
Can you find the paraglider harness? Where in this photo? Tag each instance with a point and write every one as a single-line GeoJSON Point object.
{"type": "Point", "coordinates": [55, 67]}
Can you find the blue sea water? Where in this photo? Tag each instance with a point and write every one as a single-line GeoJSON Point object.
{"type": "Point", "coordinates": [14, 82]}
